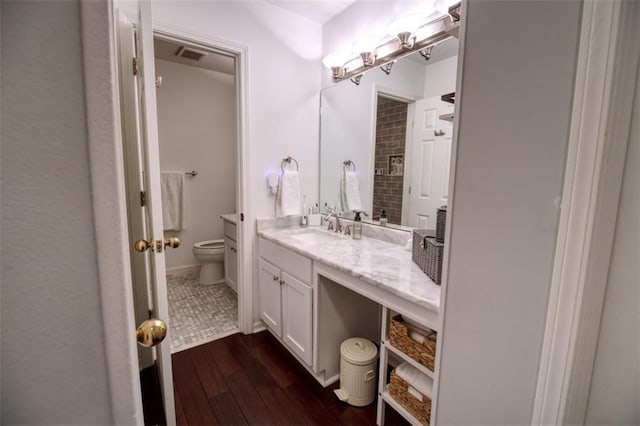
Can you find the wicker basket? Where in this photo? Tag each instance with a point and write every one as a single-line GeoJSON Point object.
{"type": "Point", "coordinates": [398, 389]}
{"type": "Point", "coordinates": [428, 253]}
{"type": "Point", "coordinates": [424, 353]}
{"type": "Point", "coordinates": [441, 221]}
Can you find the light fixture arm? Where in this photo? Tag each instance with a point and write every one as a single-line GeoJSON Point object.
{"type": "Point", "coordinates": [426, 52]}
{"type": "Point", "coordinates": [386, 68]}
{"type": "Point", "coordinates": [406, 40]}
{"type": "Point", "coordinates": [356, 79]}
{"type": "Point", "coordinates": [403, 45]}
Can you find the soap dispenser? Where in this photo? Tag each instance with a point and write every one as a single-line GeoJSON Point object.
{"type": "Point", "coordinates": [383, 218]}
{"type": "Point", "coordinates": [357, 226]}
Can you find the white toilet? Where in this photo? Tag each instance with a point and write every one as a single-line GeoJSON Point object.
{"type": "Point", "coordinates": [210, 254]}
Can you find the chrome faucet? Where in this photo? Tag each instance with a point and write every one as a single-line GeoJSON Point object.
{"type": "Point", "coordinates": [333, 212]}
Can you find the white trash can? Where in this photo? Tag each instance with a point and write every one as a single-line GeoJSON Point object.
{"type": "Point", "coordinates": [357, 372]}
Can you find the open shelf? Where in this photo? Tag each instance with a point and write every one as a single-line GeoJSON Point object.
{"type": "Point", "coordinates": [424, 370]}
{"type": "Point", "coordinates": [388, 399]}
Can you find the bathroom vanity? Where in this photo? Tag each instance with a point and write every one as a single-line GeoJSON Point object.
{"type": "Point", "coordinates": [318, 288]}
{"type": "Point", "coordinates": [230, 250]}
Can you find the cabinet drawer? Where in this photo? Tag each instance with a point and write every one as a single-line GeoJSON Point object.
{"type": "Point", "coordinates": [230, 230]}
{"type": "Point", "coordinates": [295, 264]}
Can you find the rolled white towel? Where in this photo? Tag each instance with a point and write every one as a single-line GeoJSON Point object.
{"type": "Point", "coordinates": [415, 378]}
{"type": "Point", "coordinates": [288, 198]}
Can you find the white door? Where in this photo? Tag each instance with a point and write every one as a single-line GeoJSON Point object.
{"type": "Point", "coordinates": [429, 154]}
{"type": "Point", "coordinates": [296, 316]}
{"type": "Point", "coordinates": [270, 298]}
{"type": "Point", "coordinates": [136, 214]}
{"type": "Point", "coordinates": [146, 160]}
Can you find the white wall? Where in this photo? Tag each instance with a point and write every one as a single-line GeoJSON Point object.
{"type": "Point", "coordinates": [53, 353]}
{"type": "Point", "coordinates": [284, 88]}
{"type": "Point", "coordinates": [615, 386]}
{"type": "Point", "coordinates": [197, 131]}
{"type": "Point", "coordinates": [514, 108]}
{"type": "Point", "coordinates": [440, 77]}
{"type": "Point", "coordinates": [347, 126]}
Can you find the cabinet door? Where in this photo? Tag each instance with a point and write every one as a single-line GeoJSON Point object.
{"type": "Point", "coordinates": [270, 306]}
{"type": "Point", "coordinates": [297, 316]}
{"type": "Point", "coordinates": [231, 263]}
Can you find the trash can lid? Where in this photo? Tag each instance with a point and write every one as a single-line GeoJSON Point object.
{"type": "Point", "coordinates": [358, 351]}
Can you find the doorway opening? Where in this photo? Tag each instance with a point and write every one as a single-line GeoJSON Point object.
{"type": "Point", "coordinates": [197, 135]}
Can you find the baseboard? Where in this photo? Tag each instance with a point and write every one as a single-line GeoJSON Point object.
{"type": "Point", "coordinates": [259, 326]}
{"type": "Point", "coordinates": [331, 380]}
{"type": "Point", "coordinates": [183, 270]}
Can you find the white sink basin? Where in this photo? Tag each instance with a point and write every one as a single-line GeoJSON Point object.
{"type": "Point", "coordinates": [316, 235]}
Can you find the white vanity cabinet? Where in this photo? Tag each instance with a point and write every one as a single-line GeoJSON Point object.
{"type": "Point", "coordinates": [286, 297]}
{"type": "Point", "coordinates": [231, 255]}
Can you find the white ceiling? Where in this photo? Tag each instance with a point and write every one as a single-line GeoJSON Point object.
{"type": "Point", "coordinates": [319, 11]}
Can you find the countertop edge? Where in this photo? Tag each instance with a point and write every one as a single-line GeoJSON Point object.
{"type": "Point", "coordinates": [354, 273]}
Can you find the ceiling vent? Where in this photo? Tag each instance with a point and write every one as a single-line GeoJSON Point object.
{"type": "Point", "coordinates": [189, 53]}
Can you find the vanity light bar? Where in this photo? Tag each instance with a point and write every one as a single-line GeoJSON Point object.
{"type": "Point", "coordinates": [441, 29]}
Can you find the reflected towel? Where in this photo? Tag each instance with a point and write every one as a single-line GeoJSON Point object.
{"type": "Point", "coordinates": [350, 191]}
{"type": "Point", "coordinates": [172, 189]}
{"type": "Point", "coordinates": [288, 198]}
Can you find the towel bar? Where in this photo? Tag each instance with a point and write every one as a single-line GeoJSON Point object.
{"type": "Point", "coordinates": [288, 160]}
{"type": "Point", "coordinates": [347, 163]}
{"type": "Point", "coordinates": [192, 173]}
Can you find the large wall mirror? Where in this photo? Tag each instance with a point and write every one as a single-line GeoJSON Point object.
{"type": "Point", "coordinates": [396, 132]}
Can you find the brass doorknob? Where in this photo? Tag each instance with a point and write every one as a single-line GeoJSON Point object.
{"type": "Point", "coordinates": [151, 332]}
{"type": "Point", "coordinates": [142, 245]}
{"type": "Point", "coordinates": [172, 242]}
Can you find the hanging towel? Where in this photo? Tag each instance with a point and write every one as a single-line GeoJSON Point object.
{"type": "Point", "coordinates": [350, 191]}
{"type": "Point", "coordinates": [172, 189]}
{"type": "Point", "coordinates": [288, 198]}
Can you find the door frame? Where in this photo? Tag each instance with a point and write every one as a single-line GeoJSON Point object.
{"type": "Point", "coordinates": [107, 171]}
{"type": "Point", "coordinates": [243, 205]}
{"type": "Point", "coordinates": [410, 100]}
{"type": "Point", "coordinates": [599, 135]}
{"type": "Point", "coordinates": [104, 140]}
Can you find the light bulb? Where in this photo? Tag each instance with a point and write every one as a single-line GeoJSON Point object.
{"type": "Point", "coordinates": [367, 44]}
{"type": "Point", "coordinates": [333, 60]}
{"type": "Point", "coordinates": [407, 23]}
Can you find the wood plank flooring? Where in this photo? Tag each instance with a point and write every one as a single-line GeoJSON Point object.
{"type": "Point", "coordinates": [253, 380]}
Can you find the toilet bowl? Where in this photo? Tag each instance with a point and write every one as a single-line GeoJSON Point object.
{"type": "Point", "coordinates": [210, 254]}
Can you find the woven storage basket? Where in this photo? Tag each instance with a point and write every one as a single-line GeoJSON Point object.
{"type": "Point", "coordinates": [435, 254]}
{"type": "Point", "coordinates": [441, 221]}
{"type": "Point", "coordinates": [398, 389]}
{"type": "Point", "coordinates": [419, 254]}
{"type": "Point", "coordinates": [424, 353]}
{"type": "Point", "coordinates": [428, 254]}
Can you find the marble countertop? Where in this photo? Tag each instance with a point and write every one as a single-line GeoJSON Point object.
{"type": "Point", "coordinates": [383, 264]}
{"type": "Point", "coordinates": [231, 217]}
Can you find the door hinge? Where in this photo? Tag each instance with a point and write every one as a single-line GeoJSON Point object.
{"type": "Point", "coordinates": [409, 189]}
{"type": "Point", "coordinates": [135, 66]}
{"type": "Point", "coordinates": [143, 198]}
{"type": "Point", "coordinates": [150, 313]}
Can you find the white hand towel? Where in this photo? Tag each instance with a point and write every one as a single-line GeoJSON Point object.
{"type": "Point", "coordinates": [172, 189]}
{"type": "Point", "coordinates": [415, 378]}
{"type": "Point", "coordinates": [288, 198]}
{"type": "Point", "coordinates": [350, 191]}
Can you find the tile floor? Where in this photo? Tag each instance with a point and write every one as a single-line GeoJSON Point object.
{"type": "Point", "coordinates": [199, 313]}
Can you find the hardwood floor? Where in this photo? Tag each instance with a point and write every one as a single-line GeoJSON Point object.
{"type": "Point", "coordinates": [241, 380]}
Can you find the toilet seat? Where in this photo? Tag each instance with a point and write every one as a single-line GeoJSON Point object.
{"type": "Point", "coordinates": [210, 244]}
